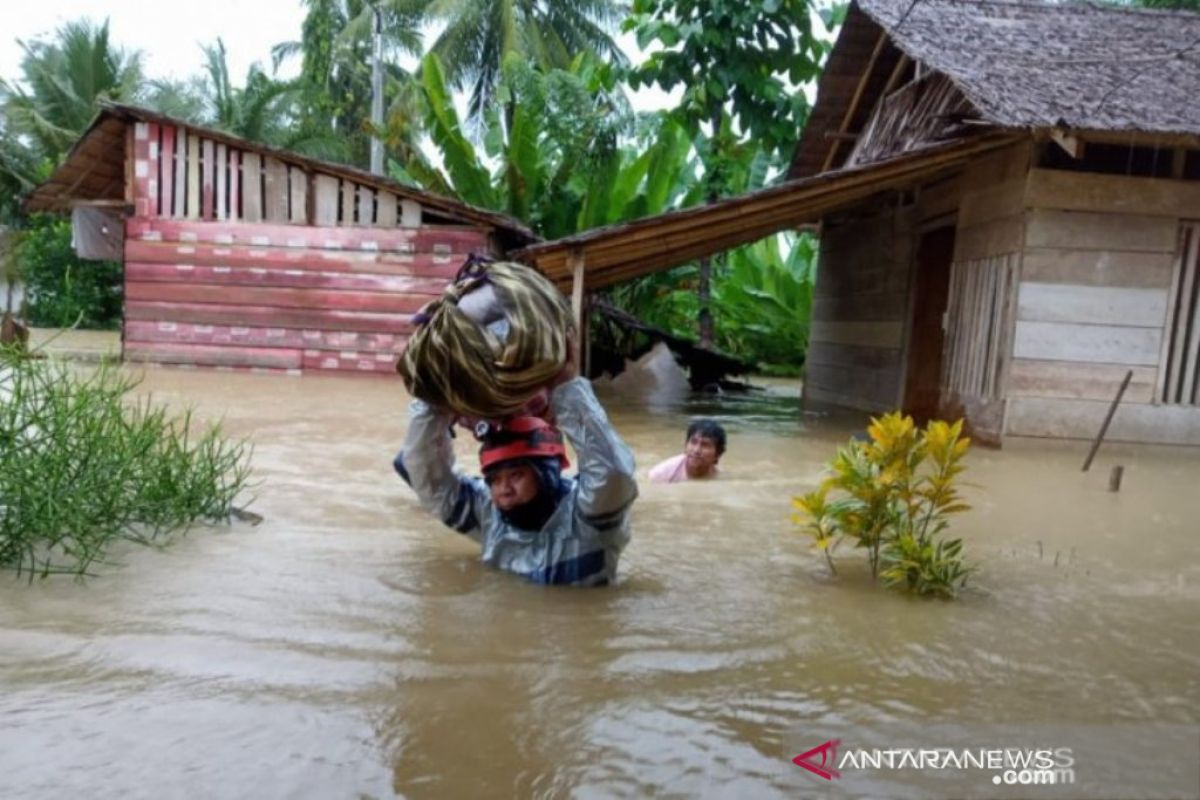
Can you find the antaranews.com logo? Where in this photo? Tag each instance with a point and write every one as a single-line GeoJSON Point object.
{"type": "Point", "coordinates": [1150, 761]}
{"type": "Point", "coordinates": [1010, 766]}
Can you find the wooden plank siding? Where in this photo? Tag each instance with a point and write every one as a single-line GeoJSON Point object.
{"type": "Point", "coordinates": [281, 296]}
{"type": "Point", "coordinates": [859, 310]}
{"type": "Point", "coordinates": [988, 243]}
{"type": "Point", "coordinates": [1080, 419]}
{"type": "Point", "coordinates": [1094, 301]}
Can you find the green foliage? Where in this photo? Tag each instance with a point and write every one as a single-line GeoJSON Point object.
{"type": "Point", "coordinates": [737, 58]}
{"type": "Point", "coordinates": [481, 36]}
{"type": "Point", "coordinates": [82, 468]}
{"type": "Point", "coordinates": [330, 102]}
{"type": "Point", "coordinates": [62, 290]}
{"type": "Point", "coordinates": [556, 161]}
{"type": "Point", "coordinates": [897, 493]}
{"type": "Point", "coordinates": [762, 298]}
{"type": "Point", "coordinates": [470, 179]}
{"type": "Point", "coordinates": [65, 78]}
{"type": "Point", "coordinates": [740, 65]}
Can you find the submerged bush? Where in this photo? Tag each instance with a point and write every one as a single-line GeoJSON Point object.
{"type": "Point", "coordinates": [896, 494]}
{"type": "Point", "coordinates": [83, 466]}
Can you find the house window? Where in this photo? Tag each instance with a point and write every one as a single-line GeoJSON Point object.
{"type": "Point", "coordinates": [1110, 159]}
{"type": "Point", "coordinates": [1191, 166]}
{"type": "Point", "coordinates": [1180, 383]}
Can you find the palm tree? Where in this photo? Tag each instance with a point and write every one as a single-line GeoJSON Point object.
{"type": "Point", "coordinates": [64, 80]}
{"type": "Point", "coordinates": [335, 74]}
{"type": "Point", "coordinates": [480, 34]}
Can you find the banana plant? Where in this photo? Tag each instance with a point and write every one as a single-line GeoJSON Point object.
{"type": "Point", "coordinates": [552, 152]}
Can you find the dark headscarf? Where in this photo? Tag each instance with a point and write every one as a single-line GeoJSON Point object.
{"type": "Point", "coordinates": [552, 488]}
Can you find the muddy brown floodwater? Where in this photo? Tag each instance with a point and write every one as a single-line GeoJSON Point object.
{"type": "Point", "coordinates": [350, 646]}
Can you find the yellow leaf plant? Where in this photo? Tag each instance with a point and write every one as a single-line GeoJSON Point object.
{"type": "Point", "coordinates": [893, 495]}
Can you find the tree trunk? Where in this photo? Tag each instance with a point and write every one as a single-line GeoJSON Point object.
{"type": "Point", "coordinates": [704, 295]}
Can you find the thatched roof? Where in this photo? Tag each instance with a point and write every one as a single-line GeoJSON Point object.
{"type": "Point", "coordinates": [95, 170]}
{"type": "Point", "coordinates": [1021, 64]}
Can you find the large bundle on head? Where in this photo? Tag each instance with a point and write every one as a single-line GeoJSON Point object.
{"type": "Point", "coordinates": [492, 342]}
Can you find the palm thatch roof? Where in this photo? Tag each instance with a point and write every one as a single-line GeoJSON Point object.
{"type": "Point", "coordinates": [1020, 63]}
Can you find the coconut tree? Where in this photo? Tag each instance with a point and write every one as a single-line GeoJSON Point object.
{"type": "Point", "coordinates": [63, 81]}
{"type": "Point", "coordinates": [335, 48]}
{"type": "Point", "coordinates": [480, 34]}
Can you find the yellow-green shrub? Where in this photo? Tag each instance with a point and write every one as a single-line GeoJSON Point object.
{"type": "Point", "coordinates": [893, 496]}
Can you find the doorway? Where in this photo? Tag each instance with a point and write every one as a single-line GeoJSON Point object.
{"type": "Point", "coordinates": [931, 289]}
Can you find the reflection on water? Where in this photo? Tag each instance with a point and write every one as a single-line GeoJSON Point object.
{"type": "Point", "coordinates": [349, 645]}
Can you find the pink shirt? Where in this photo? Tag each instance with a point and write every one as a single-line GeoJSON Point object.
{"type": "Point", "coordinates": [673, 470]}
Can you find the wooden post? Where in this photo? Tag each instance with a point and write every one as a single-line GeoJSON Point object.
{"type": "Point", "coordinates": [848, 117]}
{"type": "Point", "coordinates": [1104, 428]}
{"type": "Point", "coordinates": [1114, 479]}
{"type": "Point", "coordinates": [129, 195]}
{"type": "Point", "coordinates": [576, 260]}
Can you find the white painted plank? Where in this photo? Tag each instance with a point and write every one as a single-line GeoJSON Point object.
{"type": "Point", "coordinates": [1081, 419]}
{"type": "Point", "coordinates": [180, 182]}
{"type": "Point", "coordinates": [193, 177]}
{"type": "Point", "coordinates": [1098, 267]}
{"type": "Point", "coordinates": [1084, 191]}
{"type": "Point", "coordinates": [385, 212]}
{"type": "Point", "coordinates": [327, 200]}
{"type": "Point", "coordinates": [410, 214]}
{"type": "Point", "coordinates": [1096, 305]}
{"type": "Point", "coordinates": [222, 169]}
{"type": "Point", "coordinates": [366, 205]}
{"type": "Point", "coordinates": [1088, 231]}
{"type": "Point", "coordinates": [1073, 380]}
{"type": "Point", "coordinates": [1096, 344]}
{"type": "Point", "coordinates": [348, 216]}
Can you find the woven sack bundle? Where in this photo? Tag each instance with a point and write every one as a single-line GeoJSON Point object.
{"type": "Point", "coordinates": [493, 341]}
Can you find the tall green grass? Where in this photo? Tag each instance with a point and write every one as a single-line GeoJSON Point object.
{"type": "Point", "coordinates": [84, 464]}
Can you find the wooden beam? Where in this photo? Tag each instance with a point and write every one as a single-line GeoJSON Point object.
{"type": "Point", "coordinates": [894, 78]}
{"type": "Point", "coordinates": [576, 262]}
{"type": "Point", "coordinates": [855, 98]}
{"type": "Point", "coordinates": [824, 190]}
{"type": "Point", "coordinates": [1071, 144]}
{"type": "Point", "coordinates": [128, 164]}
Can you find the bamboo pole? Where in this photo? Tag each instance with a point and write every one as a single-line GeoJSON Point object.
{"type": "Point", "coordinates": [578, 313]}
{"type": "Point", "coordinates": [1112, 409]}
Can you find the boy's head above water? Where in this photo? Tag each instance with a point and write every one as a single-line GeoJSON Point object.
{"type": "Point", "coordinates": [703, 447]}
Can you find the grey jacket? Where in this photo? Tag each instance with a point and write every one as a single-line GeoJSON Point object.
{"type": "Point", "coordinates": [581, 542]}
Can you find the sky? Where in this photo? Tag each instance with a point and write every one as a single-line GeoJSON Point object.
{"type": "Point", "coordinates": [170, 34]}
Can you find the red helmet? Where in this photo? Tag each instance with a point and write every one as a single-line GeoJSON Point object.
{"type": "Point", "coordinates": [520, 437]}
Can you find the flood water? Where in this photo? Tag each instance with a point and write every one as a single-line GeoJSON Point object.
{"type": "Point", "coordinates": [350, 646]}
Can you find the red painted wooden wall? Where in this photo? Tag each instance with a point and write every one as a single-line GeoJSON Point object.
{"type": "Point", "coordinates": [224, 269]}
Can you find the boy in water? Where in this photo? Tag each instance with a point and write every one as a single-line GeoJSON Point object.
{"type": "Point", "coordinates": [527, 517]}
{"type": "Point", "coordinates": [703, 447]}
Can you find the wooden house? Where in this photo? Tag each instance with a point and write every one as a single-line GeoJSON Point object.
{"type": "Point", "coordinates": [239, 255]}
{"type": "Point", "coordinates": [1008, 200]}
